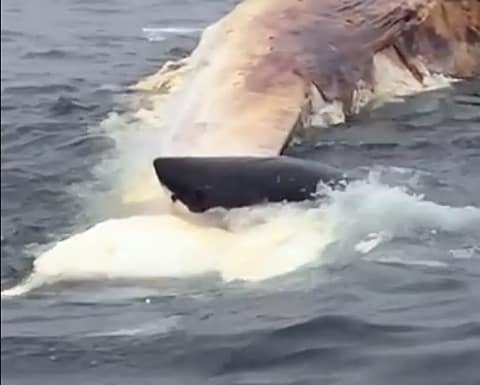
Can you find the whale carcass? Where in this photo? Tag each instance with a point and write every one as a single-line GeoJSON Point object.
{"type": "Point", "coordinates": [271, 68]}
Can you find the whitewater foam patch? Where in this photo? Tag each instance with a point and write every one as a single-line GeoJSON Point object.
{"type": "Point", "coordinates": [395, 261]}
{"type": "Point", "coordinates": [161, 34]}
{"type": "Point", "coordinates": [369, 206]}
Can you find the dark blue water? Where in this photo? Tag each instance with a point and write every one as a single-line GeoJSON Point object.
{"type": "Point", "coordinates": [406, 313]}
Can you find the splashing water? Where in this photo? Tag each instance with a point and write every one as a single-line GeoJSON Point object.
{"type": "Point", "coordinates": [157, 240]}
{"type": "Point", "coordinates": [251, 244]}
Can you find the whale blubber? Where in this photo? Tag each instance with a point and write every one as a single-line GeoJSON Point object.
{"type": "Point", "coordinates": [271, 67]}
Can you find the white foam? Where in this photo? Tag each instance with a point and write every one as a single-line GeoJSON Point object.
{"type": "Point", "coordinates": [410, 262]}
{"type": "Point", "coordinates": [465, 253]}
{"type": "Point", "coordinates": [160, 34]}
{"type": "Point", "coordinates": [371, 242]}
{"type": "Point", "coordinates": [368, 207]}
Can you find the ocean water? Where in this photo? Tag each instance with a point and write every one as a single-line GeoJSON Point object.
{"type": "Point", "coordinates": [378, 285]}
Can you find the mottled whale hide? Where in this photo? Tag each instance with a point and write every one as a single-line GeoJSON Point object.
{"type": "Point", "coordinates": [272, 68]}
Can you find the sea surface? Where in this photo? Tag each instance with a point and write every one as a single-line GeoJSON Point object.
{"type": "Point", "coordinates": [379, 285]}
